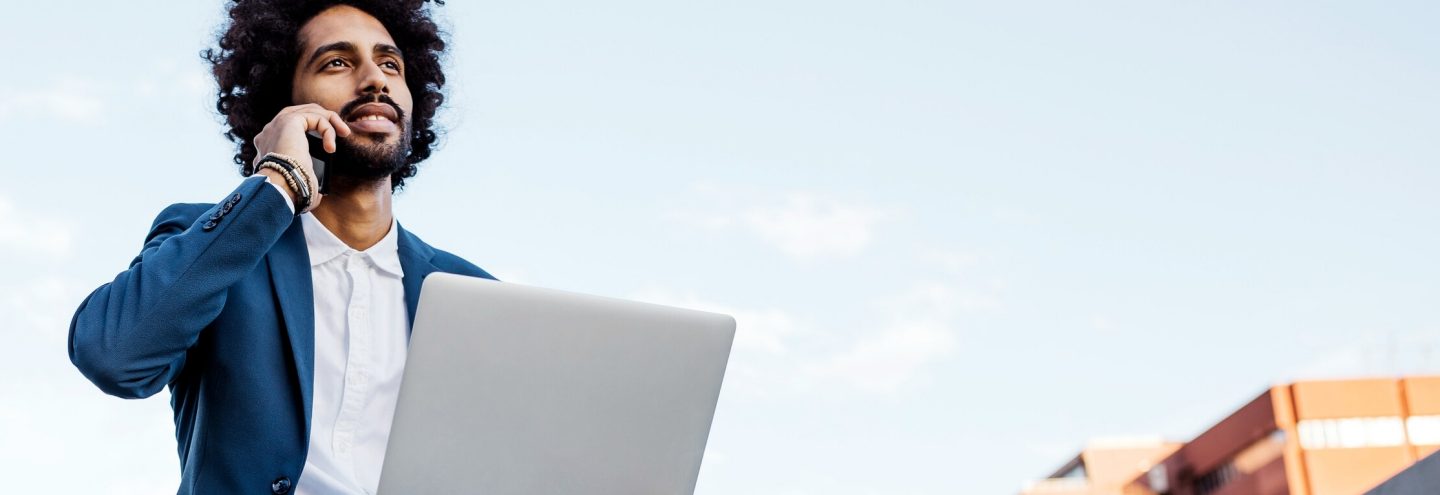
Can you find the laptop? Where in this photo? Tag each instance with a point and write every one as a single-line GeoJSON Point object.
{"type": "Point", "coordinates": [511, 389]}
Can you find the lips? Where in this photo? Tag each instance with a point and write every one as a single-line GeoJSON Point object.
{"type": "Point", "coordinates": [373, 117]}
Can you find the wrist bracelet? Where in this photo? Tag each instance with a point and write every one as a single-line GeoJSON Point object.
{"type": "Point", "coordinates": [296, 184]}
{"type": "Point", "coordinates": [292, 167]}
{"type": "Point", "coordinates": [294, 164]}
{"type": "Point", "coordinates": [294, 177]}
{"type": "Point", "coordinates": [289, 181]}
{"type": "Point", "coordinates": [307, 179]}
{"type": "Point", "coordinates": [285, 176]}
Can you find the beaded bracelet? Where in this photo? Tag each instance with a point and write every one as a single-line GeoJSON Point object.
{"type": "Point", "coordinates": [293, 166]}
{"type": "Point", "coordinates": [296, 184]}
{"type": "Point", "coordinates": [298, 181]}
{"type": "Point", "coordinates": [289, 181]}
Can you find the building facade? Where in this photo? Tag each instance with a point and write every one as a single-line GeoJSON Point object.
{"type": "Point", "coordinates": [1333, 437]}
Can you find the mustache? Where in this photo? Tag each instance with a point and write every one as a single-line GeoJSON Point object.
{"type": "Point", "coordinates": [349, 108]}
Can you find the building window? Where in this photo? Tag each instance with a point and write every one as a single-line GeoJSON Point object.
{"type": "Point", "coordinates": [1214, 480]}
{"type": "Point", "coordinates": [1352, 432]}
{"type": "Point", "coordinates": [1424, 430]}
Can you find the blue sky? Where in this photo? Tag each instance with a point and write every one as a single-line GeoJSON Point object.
{"type": "Point", "coordinates": [960, 238]}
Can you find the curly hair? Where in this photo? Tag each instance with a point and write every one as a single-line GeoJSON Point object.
{"type": "Point", "coordinates": [257, 53]}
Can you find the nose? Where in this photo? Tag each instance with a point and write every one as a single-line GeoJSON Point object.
{"type": "Point", "coordinates": [373, 80]}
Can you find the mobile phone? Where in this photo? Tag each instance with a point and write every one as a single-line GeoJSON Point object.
{"type": "Point", "coordinates": [319, 157]}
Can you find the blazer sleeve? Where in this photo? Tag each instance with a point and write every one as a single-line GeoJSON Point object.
{"type": "Point", "coordinates": [130, 336]}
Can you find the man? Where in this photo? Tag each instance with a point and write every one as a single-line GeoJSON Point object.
{"type": "Point", "coordinates": [279, 318]}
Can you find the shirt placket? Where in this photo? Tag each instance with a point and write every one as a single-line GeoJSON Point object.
{"type": "Point", "coordinates": [357, 359]}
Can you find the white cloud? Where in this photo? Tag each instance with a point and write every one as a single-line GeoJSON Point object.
{"type": "Point", "coordinates": [950, 260]}
{"type": "Point", "coordinates": [71, 100]}
{"type": "Point", "coordinates": [44, 303]}
{"type": "Point", "coordinates": [30, 233]}
{"type": "Point", "coordinates": [1375, 355]}
{"type": "Point", "coordinates": [802, 224]}
{"type": "Point", "coordinates": [777, 352]}
{"type": "Point", "coordinates": [1103, 323]}
{"type": "Point", "coordinates": [766, 331]}
{"type": "Point", "coordinates": [88, 100]}
{"type": "Point", "coordinates": [196, 83]}
{"type": "Point", "coordinates": [767, 349]}
{"type": "Point", "coordinates": [921, 331]}
{"type": "Point", "coordinates": [937, 299]}
{"type": "Point", "coordinates": [888, 360]}
{"type": "Point", "coordinates": [811, 226]}
{"type": "Point", "coordinates": [57, 420]}
{"type": "Point", "coordinates": [513, 275]}
{"type": "Point", "coordinates": [172, 80]}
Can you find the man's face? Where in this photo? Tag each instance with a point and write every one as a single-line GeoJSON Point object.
{"type": "Point", "coordinates": [349, 64]}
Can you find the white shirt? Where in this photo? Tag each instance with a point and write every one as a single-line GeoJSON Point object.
{"type": "Point", "coordinates": [361, 340]}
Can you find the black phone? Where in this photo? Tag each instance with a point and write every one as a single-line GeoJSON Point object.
{"type": "Point", "coordinates": [320, 158]}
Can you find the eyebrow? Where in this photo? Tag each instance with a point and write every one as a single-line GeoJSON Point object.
{"type": "Point", "coordinates": [346, 46]}
{"type": "Point", "coordinates": [388, 49]}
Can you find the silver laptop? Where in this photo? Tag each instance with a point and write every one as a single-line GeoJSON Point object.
{"type": "Point", "coordinates": [511, 389]}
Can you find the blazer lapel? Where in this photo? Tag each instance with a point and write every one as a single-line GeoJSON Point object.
{"type": "Point", "coordinates": [289, 262]}
{"type": "Point", "coordinates": [415, 259]}
{"type": "Point", "coordinates": [290, 274]}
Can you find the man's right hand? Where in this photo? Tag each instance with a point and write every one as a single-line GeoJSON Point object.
{"type": "Point", "coordinates": [285, 135]}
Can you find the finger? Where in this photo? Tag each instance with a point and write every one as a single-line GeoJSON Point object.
{"type": "Point", "coordinates": [305, 120]}
{"type": "Point", "coordinates": [314, 121]}
{"type": "Point", "coordinates": [295, 108]}
{"type": "Point", "coordinates": [321, 123]}
{"type": "Point", "coordinates": [308, 108]}
{"type": "Point", "coordinates": [327, 132]}
{"type": "Point", "coordinates": [339, 123]}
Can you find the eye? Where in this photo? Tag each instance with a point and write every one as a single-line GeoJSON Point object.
{"type": "Point", "coordinates": [390, 64]}
{"type": "Point", "coordinates": [334, 62]}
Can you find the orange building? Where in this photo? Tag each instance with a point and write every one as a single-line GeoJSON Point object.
{"type": "Point", "coordinates": [1338, 437]}
{"type": "Point", "coordinates": [1104, 467]}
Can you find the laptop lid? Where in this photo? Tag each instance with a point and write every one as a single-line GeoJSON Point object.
{"type": "Point", "coordinates": [511, 389]}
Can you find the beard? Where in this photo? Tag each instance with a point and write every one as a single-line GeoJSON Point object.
{"type": "Point", "coordinates": [365, 157]}
{"type": "Point", "coordinates": [362, 158]}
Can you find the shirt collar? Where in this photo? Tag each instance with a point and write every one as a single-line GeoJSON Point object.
{"type": "Point", "coordinates": [324, 246]}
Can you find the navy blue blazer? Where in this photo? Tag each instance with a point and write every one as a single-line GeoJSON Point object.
{"type": "Point", "coordinates": [218, 306]}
